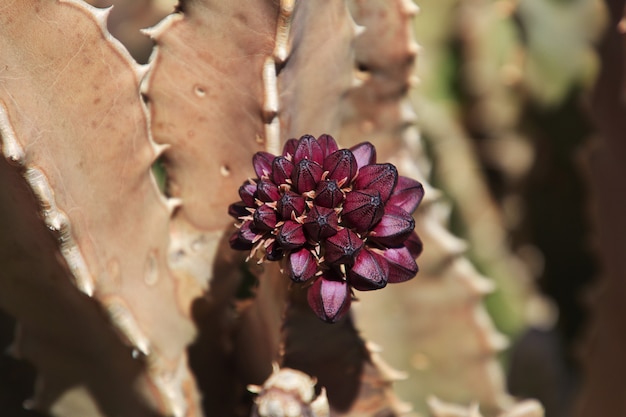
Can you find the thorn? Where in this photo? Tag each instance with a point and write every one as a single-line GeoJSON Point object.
{"type": "Point", "coordinates": [173, 203]}
{"type": "Point", "coordinates": [255, 389]}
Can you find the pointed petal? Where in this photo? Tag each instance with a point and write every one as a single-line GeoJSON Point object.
{"type": "Point", "coordinates": [342, 247]}
{"type": "Point", "coordinates": [327, 144]}
{"type": "Point", "coordinates": [402, 266]}
{"type": "Point", "coordinates": [407, 195]}
{"type": "Point", "coordinates": [290, 147]}
{"type": "Point", "coordinates": [238, 210]}
{"type": "Point", "coordinates": [242, 238]}
{"type": "Point", "coordinates": [340, 165]}
{"type": "Point", "coordinates": [306, 175]}
{"type": "Point", "coordinates": [362, 209]}
{"type": "Point", "coordinates": [291, 235]}
{"type": "Point", "coordinates": [302, 265]}
{"type": "Point", "coordinates": [321, 223]}
{"type": "Point", "coordinates": [414, 244]}
{"type": "Point", "coordinates": [370, 271]}
{"type": "Point", "coordinates": [265, 218]}
{"type": "Point", "coordinates": [262, 162]}
{"type": "Point", "coordinates": [267, 192]}
{"type": "Point", "coordinates": [393, 228]}
{"type": "Point", "coordinates": [274, 252]}
{"type": "Point", "coordinates": [364, 153]}
{"type": "Point", "coordinates": [290, 202]}
{"type": "Point", "coordinates": [329, 299]}
{"type": "Point", "coordinates": [282, 168]}
{"type": "Point", "coordinates": [247, 193]}
{"type": "Point", "coordinates": [308, 148]}
{"type": "Point", "coordinates": [381, 177]}
{"type": "Point", "coordinates": [328, 194]}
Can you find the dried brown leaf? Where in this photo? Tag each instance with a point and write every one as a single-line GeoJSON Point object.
{"type": "Point", "coordinates": [74, 124]}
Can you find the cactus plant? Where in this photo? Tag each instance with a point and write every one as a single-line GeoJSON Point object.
{"type": "Point", "coordinates": [131, 302]}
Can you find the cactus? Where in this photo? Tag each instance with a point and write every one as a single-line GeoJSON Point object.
{"type": "Point", "coordinates": [129, 301]}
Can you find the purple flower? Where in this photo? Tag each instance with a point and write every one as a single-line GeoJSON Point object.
{"type": "Point", "coordinates": [339, 220]}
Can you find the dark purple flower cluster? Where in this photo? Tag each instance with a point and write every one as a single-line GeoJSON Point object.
{"type": "Point", "coordinates": [339, 219]}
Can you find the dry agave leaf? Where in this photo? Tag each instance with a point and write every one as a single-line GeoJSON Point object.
{"type": "Point", "coordinates": [129, 16]}
{"type": "Point", "coordinates": [74, 128]}
{"type": "Point", "coordinates": [206, 99]}
{"type": "Point", "coordinates": [447, 290]}
{"type": "Point", "coordinates": [528, 408]}
{"type": "Point", "coordinates": [601, 392]}
{"type": "Point", "coordinates": [557, 63]}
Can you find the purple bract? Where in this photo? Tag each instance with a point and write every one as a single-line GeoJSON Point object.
{"type": "Point", "coordinates": [339, 220]}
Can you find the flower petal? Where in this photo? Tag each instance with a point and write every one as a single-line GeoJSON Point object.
{"type": "Point", "coordinates": [290, 147]}
{"type": "Point", "coordinates": [306, 175]}
{"type": "Point", "coordinates": [267, 192]}
{"type": "Point", "coordinates": [328, 144]}
{"type": "Point", "coordinates": [414, 244]}
{"type": "Point", "coordinates": [381, 177]}
{"type": "Point", "coordinates": [265, 218]}
{"type": "Point", "coordinates": [274, 252]}
{"type": "Point", "coordinates": [282, 168]}
{"type": "Point", "coordinates": [242, 238]}
{"type": "Point", "coordinates": [302, 265]}
{"type": "Point", "coordinates": [308, 148]}
{"type": "Point", "coordinates": [407, 195]}
{"type": "Point", "coordinates": [238, 210]}
{"type": "Point", "coordinates": [342, 247]}
{"type": "Point", "coordinates": [370, 271]}
{"type": "Point", "coordinates": [329, 299]}
{"type": "Point", "coordinates": [289, 203]}
{"type": "Point", "coordinates": [291, 235]}
{"type": "Point", "coordinates": [364, 153]}
{"type": "Point", "coordinates": [402, 266]}
{"type": "Point", "coordinates": [321, 223]}
{"type": "Point", "coordinates": [362, 209]}
{"type": "Point", "coordinates": [394, 227]}
{"type": "Point", "coordinates": [246, 193]}
{"type": "Point", "coordinates": [340, 165]}
{"type": "Point", "coordinates": [328, 194]}
{"type": "Point", "coordinates": [262, 162]}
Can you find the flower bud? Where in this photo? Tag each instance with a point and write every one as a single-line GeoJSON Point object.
{"type": "Point", "coordinates": [369, 272]}
{"type": "Point", "coordinates": [320, 223]}
{"type": "Point", "coordinates": [274, 252]}
{"type": "Point", "coordinates": [267, 191]}
{"type": "Point", "coordinates": [402, 266]}
{"type": "Point", "coordinates": [290, 202]}
{"type": "Point", "coordinates": [282, 168]}
{"type": "Point", "coordinates": [246, 193]}
{"type": "Point", "coordinates": [414, 244]}
{"type": "Point", "coordinates": [242, 238]}
{"type": "Point", "coordinates": [308, 148]}
{"type": "Point", "coordinates": [264, 218]}
{"type": "Point", "coordinates": [407, 194]}
{"type": "Point", "coordinates": [329, 299]}
{"type": "Point", "coordinates": [290, 147]}
{"type": "Point", "coordinates": [394, 228]}
{"type": "Point", "coordinates": [380, 177]}
{"type": "Point", "coordinates": [362, 209]}
{"type": "Point", "coordinates": [340, 165]}
{"type": "Point", "coordinates": [364, 154]}
{"type": "Point", "coordinates": [302, 265]}
{"type": "Point", "coordinates": [291, 235]}
{"type": "Point", "coordinates": [328, 194]}
{"type": "Point", "coordinates": [328, 144]}
{"type": "Point", "coordinates": [238, 210]}
{"type": "Point", "coordinates": [262, 162]}
{"type": "Point", "coordinates": [342, 247]}
{"type": "Point", "coordinates": [306, 175]}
